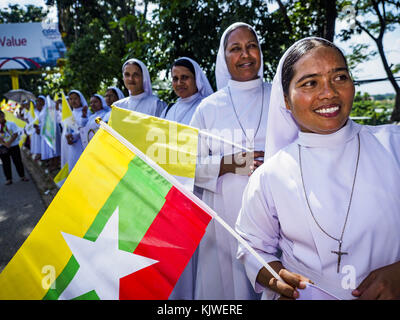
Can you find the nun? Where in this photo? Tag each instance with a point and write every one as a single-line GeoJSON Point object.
{"type": "Point", "coordinates": [324, 207]}
{"type": "Point", "coordinates": [191, 86]}
{"type": "Point", "coordinates": [237, 112]}
{"type": "Point", "coordinates": [141, 98]}
{"type": "Point", "coordinates": [99, 109]}
{"type": "Point", "coordinates": [71, 145]}
{"type": "Point", "coordinates": [35, 133]}
{"type": "Point", "coordinates": [112, 95]}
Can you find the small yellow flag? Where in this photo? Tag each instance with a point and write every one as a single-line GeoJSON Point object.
{"type": "Point", "coordinates": [66, 110]}
{"type": "Point", "coordinates": [32, 110]}
{"type": "Point", "coordinates": [10, 117]}
{"type": "Point", "coordinates": [22, 140]}
{"type": "Point", "coordinates": [61, 175]}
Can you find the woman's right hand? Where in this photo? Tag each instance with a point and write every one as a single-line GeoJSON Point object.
{"type": "Point", "coordinates": [288, 289]}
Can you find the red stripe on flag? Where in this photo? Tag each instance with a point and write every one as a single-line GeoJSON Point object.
{"type": "Point", "coordinates": [171, 239]}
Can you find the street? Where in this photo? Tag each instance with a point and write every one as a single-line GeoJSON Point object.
{"type": "Point", "coordinates": [21, 207]}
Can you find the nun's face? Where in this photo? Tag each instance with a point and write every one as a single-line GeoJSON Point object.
{"type": "Point", "coordinates": [242, 55]}
{"type": "Point", "coordinates": [74, 100]}
{"type": "Point", "coordinates": [110, 97]}
{"type": "Point", "coordinates": [321, 91]}
{"type": "Point", "coordinates": [39, 104]}
{"type": "Point", "coordinates": [183, 82]}
{"type": "Point", "coordinates": [133, 79]}
{"type": "Point", "coordinates": [95, 104]}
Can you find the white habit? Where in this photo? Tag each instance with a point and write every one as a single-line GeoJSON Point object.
{"type": "Point", "coordinates": [275, 215]}
{"type": "Point", "coordinates": [220, 275]}
{"type": "Point", "coordinates": [144, 103]}
{"type": "Point", "coordinates": [35, 138]}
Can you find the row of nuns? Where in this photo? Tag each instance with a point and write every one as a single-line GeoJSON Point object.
{"type": "Point", "coordinates": [323, 196]}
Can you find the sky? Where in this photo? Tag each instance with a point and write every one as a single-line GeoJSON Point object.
{"type": "Point", "coordinates": [370, 69]}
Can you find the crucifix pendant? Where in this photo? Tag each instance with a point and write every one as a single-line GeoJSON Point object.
{"type": "Point", "coordinates": [340, 253]}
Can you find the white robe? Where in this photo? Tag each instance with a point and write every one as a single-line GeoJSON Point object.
{"type": "Point", "coordinates": [144, 103]}
{"type": "Point", "coordinates": [74, 151]}
{"type": "Point", "coordinates": [182, 111]}
{"type": "Point", "coordinates": [36, 139]}
{"type": "Point", "coordinates": [220, 275]}
{"type": "Point", "coordinates": [275, 215]}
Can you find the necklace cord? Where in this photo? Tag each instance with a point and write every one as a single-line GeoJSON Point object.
{"type": "Point", "coordinates": [259, 120]}
{"type": "Point", "coordinates": [351, 194]}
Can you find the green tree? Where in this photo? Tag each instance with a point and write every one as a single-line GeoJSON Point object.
{"type": "Point", "coordinates": [379, 17]}
{"type": "Point", "coordinates": [96, 35]}
{"type": "Point", "coordinates": [193, 29]}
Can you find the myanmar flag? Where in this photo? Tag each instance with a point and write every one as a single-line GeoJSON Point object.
{"type": "Point", "coordinates": [117, 229]}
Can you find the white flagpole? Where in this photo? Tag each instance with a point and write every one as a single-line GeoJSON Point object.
{"type": "Point", "coordinates": [205, 133]}
{"type": "Point", "coordinates": [187, 193]}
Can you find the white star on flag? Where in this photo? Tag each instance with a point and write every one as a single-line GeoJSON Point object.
{"type": "Point", "coordinates": [101, 263]}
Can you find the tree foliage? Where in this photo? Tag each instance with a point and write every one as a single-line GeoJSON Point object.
{"type": "Point", "coordinates": [101, 35]}
{"type": "Point", "coordinates": [375, 18]}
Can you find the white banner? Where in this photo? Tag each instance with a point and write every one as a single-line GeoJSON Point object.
{"type": "Point", "coordinates": [30, 45]}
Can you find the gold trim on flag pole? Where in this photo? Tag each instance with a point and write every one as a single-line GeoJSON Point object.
{"type": "Point", "coordinates": [187, 193]}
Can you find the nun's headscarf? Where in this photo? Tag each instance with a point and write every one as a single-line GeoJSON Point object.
{"type": "Point", "coordinates": [44, 105]}
{"type": "Point", "coordinates": [146, 76]}
{"type": "Point", "coordinates": [202, 83]}
{"type": "Point", "coordinates": [44, 99]}
{"type": "Point", "coordinates": [119, 93]}
{"type": "Point", "coordinates": [83, 100]}
{"type": "Point", "coordinates": [222, 74]}
{"type": "Point", "coordinates": [103, 102]}
{"type": "Point", "coordinates": [282, 128]}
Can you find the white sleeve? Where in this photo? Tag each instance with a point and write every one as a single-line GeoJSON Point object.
{"type": "Point", "coordinates": [208, 165]}
{"type": "Point", "coordinates": [258, 224]}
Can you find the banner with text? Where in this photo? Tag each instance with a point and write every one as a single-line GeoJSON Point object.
{"type": "Point", "coordinates": [30, 45]}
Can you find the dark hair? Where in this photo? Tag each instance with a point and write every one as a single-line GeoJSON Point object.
{"type": "Point", "coordinates": [184, 63]}
{"type": "Point", "coordinates": [297, 52]}
{"type": "Point", "coordinates": [235, 28]}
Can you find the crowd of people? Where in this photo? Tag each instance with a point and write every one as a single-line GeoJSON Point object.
{"type": "Point", "coordinates": [320, 191]}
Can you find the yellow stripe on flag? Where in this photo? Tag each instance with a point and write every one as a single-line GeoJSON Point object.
{"type": "Point", "coordinates": [173, 146]}
{"type": "Point", "coordinates": [66, 110]}
{"type": "Point", "coordinates": [100, 168]}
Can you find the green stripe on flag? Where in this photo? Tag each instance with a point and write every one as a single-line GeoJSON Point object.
{"type": "Point", "coordinates": [63, 280]}
{"type": "Point", "coordinates": [140, 195]}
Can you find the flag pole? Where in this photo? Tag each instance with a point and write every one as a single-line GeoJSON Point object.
{"type": "Point", "coordinates": [205, 133]}
{"type": "Point", "coordinates": [187, 193]}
